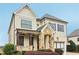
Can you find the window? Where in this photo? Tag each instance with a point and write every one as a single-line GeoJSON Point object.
{"type": "Point", "coordinates": [77, 39]}
{"type": "Point", "coordinates": [59, 45]}
{"type": "Point", "coordinates": [20, 41]}
{"type": "Point", "coordinates": [60, 28]}
{"type": "Point", "coordinates": [26, 24]}
{"type": "Point", "coordinates": [53, 26]}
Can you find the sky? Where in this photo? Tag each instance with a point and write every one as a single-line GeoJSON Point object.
{"type": "Point", "coordinates": [67, 12]}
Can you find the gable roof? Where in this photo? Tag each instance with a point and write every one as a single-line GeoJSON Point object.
{"type": "Point", "coordinates": [53, 18]}
{"type": "Point", "coordinates": [11, 22]}
{"type": "Point", "coordinates": [24, 6]}
{"type": "Point", "coordinates": [40, 28]}
{"type": "Point", "coordinates": [74, 33]}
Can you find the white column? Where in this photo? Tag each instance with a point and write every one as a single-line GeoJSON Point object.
{"type": "Point", "coordinates": [52, 43]}
{"type": "Point", "coordinates": [41, 41]}
{"type": "Point", "coordinates": [47, 42]}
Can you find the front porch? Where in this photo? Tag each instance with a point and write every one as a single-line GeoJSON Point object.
{"type": "Point", "coordinates": [30, 40]}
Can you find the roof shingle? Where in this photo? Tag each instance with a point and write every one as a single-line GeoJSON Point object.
{"type": "Point", "coordinates": [75, 33]}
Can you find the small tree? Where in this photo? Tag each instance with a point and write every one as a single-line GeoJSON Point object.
{"type": "Point", "coordinates": [8, 49]}
{"type": "Point", "coordinates": [71, 47]}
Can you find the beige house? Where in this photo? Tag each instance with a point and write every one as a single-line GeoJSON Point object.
{"type": "Point", "coordinates": [74, 36]}
{"type": "Point", "coordinates": [1, 49]}
{"type": "Point", "coordinates": [30, 33]}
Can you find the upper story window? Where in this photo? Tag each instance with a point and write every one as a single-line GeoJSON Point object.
{"type": "Point", "coordinates": [60, 28]}
{"type": "Point", "coordinates": [77, 39]}
{"type": "Point", "coordinates": [53, 26]}
{"type": "Point", "coordinates": [26, 24]}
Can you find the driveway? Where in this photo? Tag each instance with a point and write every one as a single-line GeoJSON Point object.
{"type": "Point", "coordinates": [71, 53]}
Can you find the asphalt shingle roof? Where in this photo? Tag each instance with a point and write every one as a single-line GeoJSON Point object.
{"type": "Point", "coordinates": [40, 28]}
{"type": "Point", "coordinates": [75, 33]}
{"type": "Point", "coordinates": [53, 18]}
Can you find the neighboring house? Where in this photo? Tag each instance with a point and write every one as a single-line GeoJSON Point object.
{"type": "Point", "coordinates": [1, 49]}
{"type": "Point", "coordinates": [30, 33]}
{"type": "Point", "coordinates": [74, 36]}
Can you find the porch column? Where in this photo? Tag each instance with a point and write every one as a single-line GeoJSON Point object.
{"type": "Point", "coordinates": [30, 42]}
{"type": "Point", "coordinates": [47, 42]}
{"type": "Point", "coordinates": [52, 43]}
{"type": "Point", "coordinates": [41, 41]}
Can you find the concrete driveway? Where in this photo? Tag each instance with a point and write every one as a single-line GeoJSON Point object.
{"type": "Point", "coordinates": [71, 53]}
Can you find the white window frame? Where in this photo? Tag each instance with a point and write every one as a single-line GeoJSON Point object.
{"type": "Point", "coordinates": [27, 25]}
{"type": "Point", "coordinates": [60, 28]}
{"type": "Point", "coordinates": [59, 45]}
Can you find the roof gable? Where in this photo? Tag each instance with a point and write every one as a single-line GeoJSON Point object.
{"type": "Point", "coordinates": [74, 33]}
{"type": "Point", "coordinates": [26, 7]}
{"type": "Point", "coordinates": [14, 13]}
{"type": "Point", "coordinates": [53, 18]}
{"type": "Point", "coordinates": [41, 28]}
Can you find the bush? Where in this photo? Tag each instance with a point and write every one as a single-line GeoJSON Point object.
{"type": "Point", "coordinates": [78, 48]}
{"type": "Point", "coordinates": [60, 51]}
{"type": "Point", "coordinates": [23, 52]}
{"type": "Point", "coordinates": [8, 49]}
{"type": "Point", "coordinates": [71, 47]}
{"type": "Point", "coordinates": [19, 53]}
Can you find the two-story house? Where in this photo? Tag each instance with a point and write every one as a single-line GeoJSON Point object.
{"type": "Point", "coordinates": [30, 33]}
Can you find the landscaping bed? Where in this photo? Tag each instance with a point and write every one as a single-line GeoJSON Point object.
{"type": "Point", "coordinates": [40, 53]}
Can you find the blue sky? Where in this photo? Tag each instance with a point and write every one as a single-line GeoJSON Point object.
{"type": "Point", "coordinates": [68, 12]}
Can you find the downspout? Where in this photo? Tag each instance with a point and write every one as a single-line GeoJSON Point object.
{"type": "Point", "coordinates": [14, 33]}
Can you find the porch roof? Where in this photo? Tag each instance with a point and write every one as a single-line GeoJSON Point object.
{"type": "Point", "coordinates": [27, 31]}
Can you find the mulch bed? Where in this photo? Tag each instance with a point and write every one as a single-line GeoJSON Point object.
{"type": "Point", "coordinates": [40, 53]}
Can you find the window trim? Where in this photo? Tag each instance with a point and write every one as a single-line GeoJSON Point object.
{"type": "Point", "coordinates": [59, 44]}
{"type": "Point", "coordinates": [54, 26]}
{"type": "Point", "coordinates": [28, 26]}
{"type": "Point", "coordinates": [77, 39]}
{"type": "Point", "coordinates": [60, 28]}
{"type": "Point", "coordinates": [18, 42]}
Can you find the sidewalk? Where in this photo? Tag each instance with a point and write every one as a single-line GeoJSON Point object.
{"type": "Point", "coordinates": [71, 53]}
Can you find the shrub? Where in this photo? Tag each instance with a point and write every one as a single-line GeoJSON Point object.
{"type": "Point", "coordinates": [23, 52]}
{"type": "Point", "coordinates": [19, 53]}
{"type": "Point", "coordinates": [78, 48]}
{"type": "Point", "coordinates": [8, 49]}
{"type": "Point", "coordinates": [60, 51]}
{"type": "Point", "coordinates": [71, 47]}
